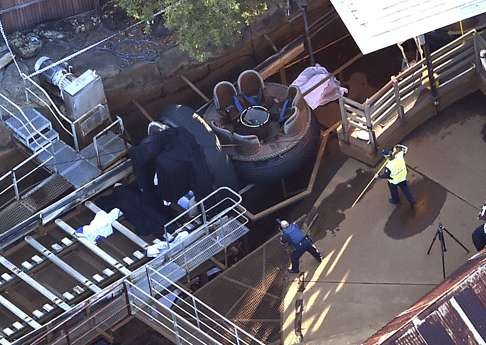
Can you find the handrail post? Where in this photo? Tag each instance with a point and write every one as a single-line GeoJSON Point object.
{"type": "Point", "coordinates": [53, 155]}
{"type": "Point", "coordinates": [477, 59]}
{"type": "Point", "coordinates": [166, 237]}
{"type": "Point", "coordinates": [237, 336]}
{"type": "Point", "coordinates": [15, 186]}
{"type": "Point", "coordinates": [204, 217]}
{"type": "Point", "coordinates": [369, 124]}
{"type": "Point", "coordinates": [344, 119]}
{"type": "Point", "coordinates": [176, 329]}
{"type": "Point", "coordinates": [97, 152]}
{"type": "Point", "coordinates": [75, 137]}
{"type": "Point", "coordinates": [127, 299]}
{"type": "Point", "coordinates": [196, 314]}
{"type": "Point", "coordinates": [398, 100]}
{"type": "Point", "coordinates": [149, 282]}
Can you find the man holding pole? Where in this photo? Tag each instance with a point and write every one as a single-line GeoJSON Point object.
{"type": "Point", "coordinates": [293, 235]}
{"type": "Point", "coordinates": [396, 174]}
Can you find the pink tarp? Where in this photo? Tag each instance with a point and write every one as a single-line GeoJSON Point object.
{"type": "Point", "coordinates": [329, 91]}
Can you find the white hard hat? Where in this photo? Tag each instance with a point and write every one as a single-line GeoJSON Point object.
{"type": "Point", "coordinates": [284, 224]}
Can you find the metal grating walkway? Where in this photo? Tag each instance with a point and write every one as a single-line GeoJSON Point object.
{"type": "Point", "coordinates": [14, 214]}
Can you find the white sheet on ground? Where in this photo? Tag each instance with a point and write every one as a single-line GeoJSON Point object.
{"type": "Point", "coordinates": [100, 226]}
{"type": "Point", "coordinates": [329, 91]}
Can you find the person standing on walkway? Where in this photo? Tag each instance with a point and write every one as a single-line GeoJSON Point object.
{"type": "Point", "coordinates": [293, 235]}
{"type": "Point", "coordinates": [396, 174]}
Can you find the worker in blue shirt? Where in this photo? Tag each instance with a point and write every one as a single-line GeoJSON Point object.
{"type": "Point", "coordinates": [300, 243]}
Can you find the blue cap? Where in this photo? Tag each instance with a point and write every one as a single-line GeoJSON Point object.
{"type": "Point", "coordinates": [386, 152]}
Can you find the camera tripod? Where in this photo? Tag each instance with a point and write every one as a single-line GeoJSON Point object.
{"type": "Point", "coordinates": [440, 234]}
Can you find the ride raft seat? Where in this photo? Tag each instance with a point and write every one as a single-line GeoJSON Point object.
{"type": "Point", "coordinates": [286, 109]}
{"type": "Point", "coordinates": [224, 98]}
{"type": "Point", "coordinates": [251, 87]}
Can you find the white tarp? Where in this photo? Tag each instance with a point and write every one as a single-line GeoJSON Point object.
{"type": "Point", "coordinates": [376, 24]}
{"type": "Point", "coordinates": [100, 227]}
{"type": "Point", "coordinates": [327, 92]}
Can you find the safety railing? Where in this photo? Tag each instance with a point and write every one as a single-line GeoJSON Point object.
{"type": "Point", "coordinates": [150, 296]}
{"type": "Point", "coordinates": [116, 127]}
{"type": "Point", "coordinates": [47, 102]}
{"type": "Point", "coordinates": [175, 326]}
{"type": "Point", "coordinates": [195, 312]}
{"type": "Point", "coordinates": [40, 95]}
{"type": "Point", "coordinates": [392, 102]}
{"type": "Point", "coordinates": [207, 211]}
{"type": "Point", "coordinates": [14, 177]}
{"type": "Point", "coordinates": [201, 244]}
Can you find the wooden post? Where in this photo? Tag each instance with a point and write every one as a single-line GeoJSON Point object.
{"type": "Point", "coordinates": [98, 7]}
{"type": "Point", "coordinates": [369, 124]}
{"type": "Point", "coordinates": [344, 119]}
{"type": "Point", "coordinates": [398, 100]}
{"type": "Point", "coordinates": [194, 88]}
{"type": "Point", "coordinates": [283, 76]}
{"type": "Point", "coordinates": [477, 59]}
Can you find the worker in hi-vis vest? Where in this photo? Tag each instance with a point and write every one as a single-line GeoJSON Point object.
{"type": "Point", "coordinates": [396, 174]}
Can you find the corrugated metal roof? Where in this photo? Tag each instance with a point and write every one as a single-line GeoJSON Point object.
{"type": "Point", "coordinates": [452, 313]}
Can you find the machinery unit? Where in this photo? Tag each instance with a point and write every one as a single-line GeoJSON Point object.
{"type": "Point", "coordinates": [83, 97]}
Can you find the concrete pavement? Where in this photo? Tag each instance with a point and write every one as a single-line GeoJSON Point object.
{"type": "Point", "coordinates": [375, 253]}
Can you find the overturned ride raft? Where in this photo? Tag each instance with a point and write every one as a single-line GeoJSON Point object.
{"type": "Point", "coordinates": [266, 128]}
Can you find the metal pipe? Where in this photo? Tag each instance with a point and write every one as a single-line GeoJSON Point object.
{"type": "Point", "coordinates": [430, 72]}
{"type": "Point", "coordinates": [16, 187]}
{"type": "Point", "coordinates": [303, 5]}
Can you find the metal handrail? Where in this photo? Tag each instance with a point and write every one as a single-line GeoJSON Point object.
{"type": "Point", "coordinates": [119, 122]}
{"type": "Point", "coordinates": [59, 113]}
{"type": "Point", "coordinates": [174, 315]}
{"type": "Point", "coordinates": [181, 256]}
{"type": "Point", "coordinates": [216, 317]}
{"type": "Point", "coordinates": [43, 148]}
{"type": "Point", "coordinates": [24, 125]}
{"type": "Point", "coordinates": [16, 181]}
{"type": "Point", "coordinates": [202, 215]}
{"type": "Point", "coordinates": [133, 292]}
{"type": "Point", "coordinates": [196, 206]}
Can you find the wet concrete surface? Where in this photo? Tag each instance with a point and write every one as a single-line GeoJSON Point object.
{"type": "Point", "coordinates": [341, 199]}
{"type": "Point", "coordinates": [377, 264]}
{"type": "Point", "coordinates": [406, 222]}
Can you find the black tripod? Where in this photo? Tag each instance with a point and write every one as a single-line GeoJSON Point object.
{"type": "Point", "coordinates": [440, 234]}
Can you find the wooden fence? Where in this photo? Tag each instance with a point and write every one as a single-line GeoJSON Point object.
{"type": "Point", "coordinates": [24, 14]}
{"type": "Point", "coordinates": [391, 103]}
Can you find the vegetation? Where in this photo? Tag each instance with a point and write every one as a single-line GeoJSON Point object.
{"type": "Point", "coordinates": [203, 27]}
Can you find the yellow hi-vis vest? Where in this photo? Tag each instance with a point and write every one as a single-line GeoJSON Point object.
{"type": "Point", "coordinates": [398, 169]}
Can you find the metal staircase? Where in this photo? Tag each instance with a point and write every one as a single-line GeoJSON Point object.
{"type": "Point", "coordinates": [67, 167]}
{"type": "Point", "coordinates": [34, 131]}
{"type": "Point", "coordinates": [147, 291]}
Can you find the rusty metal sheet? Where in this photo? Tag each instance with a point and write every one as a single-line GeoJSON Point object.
{"type": "Point", "coordinates": [474, 309]}
{"type": "Point", "coordinates": [433, 319]}
{"type": "Point", "coordinates": [434, 332]}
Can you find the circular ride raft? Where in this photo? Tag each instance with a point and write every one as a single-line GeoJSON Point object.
{"type": "Point", "coordinates": [267, 129]}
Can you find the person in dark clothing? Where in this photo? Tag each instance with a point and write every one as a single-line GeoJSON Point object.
{"type": "Point", "coordinates": [479, 235]}
{"type": "Point", "coordinates": [300, 243]}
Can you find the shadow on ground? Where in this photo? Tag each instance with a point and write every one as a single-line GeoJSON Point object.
{"type": "Point", "coordinates": [405, 222]}
{"type": "Point", "coordinates": [331, 213]}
